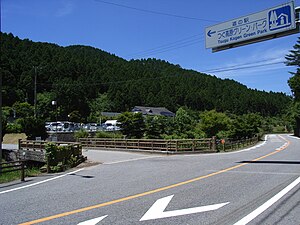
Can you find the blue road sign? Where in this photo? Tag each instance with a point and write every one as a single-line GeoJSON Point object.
{"type": "Point", "coordinates": [252, 28]}
{"type": "Point", "coordinates": [280, 18]}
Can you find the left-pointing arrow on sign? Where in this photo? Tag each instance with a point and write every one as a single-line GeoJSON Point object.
{"type": "Point", "coordinates": [210, 33]}
{"type": "Point", "coordinates": [93, 221]}
{"type": "Point", "coordinates": [157, 209]}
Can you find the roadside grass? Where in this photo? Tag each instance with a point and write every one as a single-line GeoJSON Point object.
{"type": "Point", "coordinates": [16, 175]}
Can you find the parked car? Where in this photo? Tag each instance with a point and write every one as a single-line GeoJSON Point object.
{"type": "Point", "coordinates": [54, 126]}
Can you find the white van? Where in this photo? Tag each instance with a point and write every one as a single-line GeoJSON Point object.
{"type": "Point", "coordinates": [111, 125]}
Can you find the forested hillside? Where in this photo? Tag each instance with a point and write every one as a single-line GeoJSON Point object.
{"type": "Point", "coordinates": [85, 80]}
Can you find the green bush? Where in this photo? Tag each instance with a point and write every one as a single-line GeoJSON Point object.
{"type": "Point", "coordinates": [108, 134]}
{"type": "Point", "coordinates": [33, 128]}
{"type": "Point", "coordinates": [14, 128]}
{"type": "Point", "coordinates": [59, 158]}
{"type": "Point", "coordinates": [81, 134]}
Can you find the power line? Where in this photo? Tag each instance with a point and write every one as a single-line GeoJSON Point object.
{"type": "Point", "coordinates": [155, 12]}
{"type": "Point", "coordinates": [163, 48]}
{"type": "Point", "coordinates": [239, 65]}
{"type": "Point", "coordinates": [246, 67]}
{"type": "Point", "coordinates": [171, 44]}
{"type": "Point", "coordinates": [169, 48]}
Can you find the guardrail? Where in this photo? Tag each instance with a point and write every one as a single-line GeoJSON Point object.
{"type": "Point", "coordinates": [12, 166]}
{"type": "Point", "coordinates": [168, 146]}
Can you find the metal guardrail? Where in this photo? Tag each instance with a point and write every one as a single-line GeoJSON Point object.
{"type": "Point", "coordinates": [186, 145]}
{"type": "Point", "coordinates": [12, 166]}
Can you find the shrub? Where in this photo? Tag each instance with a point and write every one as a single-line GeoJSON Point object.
{"type": "Point", "coordinates": [33, 128]}
{"type": "Point", "coordinates": [14, 128]}
{"type": "Point", "coordinates": [60, 158]}
{"type": "Point", "coordinates": [108, 134]}
{"type": "Point", "coordinates": [81, 134]}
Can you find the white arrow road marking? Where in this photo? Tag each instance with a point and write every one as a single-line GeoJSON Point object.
{"type": "Point", "coordinates": [93, 221]}
{"type": "Point", "coordinates": [157, 209]}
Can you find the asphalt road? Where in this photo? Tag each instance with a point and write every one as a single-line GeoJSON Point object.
{"type": "Point", "coordinates": [255, 186]}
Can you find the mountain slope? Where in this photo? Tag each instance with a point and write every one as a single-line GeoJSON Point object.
{"type": "Point", "coordinates": [76, 75]}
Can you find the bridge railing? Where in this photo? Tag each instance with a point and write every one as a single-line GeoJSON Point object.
{"type": "Point", "coordinates": [35, 150]}
{"type": "Point", "coordinates": [153, 145]}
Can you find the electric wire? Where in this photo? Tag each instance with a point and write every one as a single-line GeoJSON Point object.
{"type": "Point", "coordinates": [155, 12]}
{"type": "Point", "coordinates": [169, 48]}
{"type": "Point", "coordinates": [171, 44]}
{"type": "Point", "coordinates": [242, 64]}
{"type": "Point", "coordinates": [163, 48]}
{"type": "Point", "coordinates": [246, 67]}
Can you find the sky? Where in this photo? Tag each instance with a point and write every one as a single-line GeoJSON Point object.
{"type": "Point", "coordinates": [170, 30]}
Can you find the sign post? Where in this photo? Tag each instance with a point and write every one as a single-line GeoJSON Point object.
{"type": "Point", "coordinates": [271, 23]}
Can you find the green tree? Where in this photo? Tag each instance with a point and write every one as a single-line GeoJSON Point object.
{"type": "Point", "coordinates": [75, 75]}
{"type": "Point", "coordinates": [4, 126]}
{"type": "Point", "coordinates": [213, 122]}
{"type": "Point", "coordinates": [75, 116]}
{"type": "Point", "coordinates": [33, 128]}
{"type": "Point", "coordinates": [45, 108]}
{"type": "Point", "coordinates": [246, 125]}
{"type": "Point", "coordinates": [183, 121]}
{"type": "Point", "coordinates": [156, 126]}
{"type": "Point", "coordinates": [23, 109]}
{"type": "Point", "coordinates": [295, 114]}
{"type": "Point", "coordinates": [293, 59]}
{"type": "Point", "coordinates": [132, 124]}
{"type": "Point", "coordinates": [98, 105]}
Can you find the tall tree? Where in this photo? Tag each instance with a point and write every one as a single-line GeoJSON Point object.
{"type": "Point", "coordinates": [293, 59]}
{"type": "Point", "coordinates": [132, 124]}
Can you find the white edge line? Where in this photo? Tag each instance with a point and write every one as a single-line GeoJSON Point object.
{"type": "Point", "coordinates": [267, 204]}
{"type": "Point", "coordinates": [40, 182]}
{"type": "Point", "coordinates": [93, 221]}
{"type": "Point", "coordinates": [129, 160]}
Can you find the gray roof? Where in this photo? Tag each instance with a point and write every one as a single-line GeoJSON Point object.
{"type": "Point", "coordinates": [110, 114]}
{"type": "Point", "coordinates": [153, 111]}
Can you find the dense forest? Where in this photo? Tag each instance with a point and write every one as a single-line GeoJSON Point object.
{"type": "Point", "coordinates": [85, 80]}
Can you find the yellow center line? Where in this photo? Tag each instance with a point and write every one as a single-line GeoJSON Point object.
{"type": "Point", "coordinates": [150, 192]}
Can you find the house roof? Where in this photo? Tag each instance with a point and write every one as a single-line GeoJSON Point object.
{"type": "Point", "coordinates": [153, 111]}
{"type": "Point", "coordinates": [110, 114]}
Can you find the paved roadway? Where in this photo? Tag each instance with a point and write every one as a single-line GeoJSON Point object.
{"type": "Point", "coordinates": [255, 186]}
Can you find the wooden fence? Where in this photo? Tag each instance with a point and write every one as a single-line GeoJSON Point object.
{"type": "Point", "coordinates": [168, 146]}
{"type": "Point", "coordinates": [12, 166]}
{"type": "Point", "coordinates": [231, 145]}
{"type": "Point", "coordinates": [35, 150]}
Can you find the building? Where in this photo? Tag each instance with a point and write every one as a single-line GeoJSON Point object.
{"type": "Point", "coordinates": [153, 111]}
